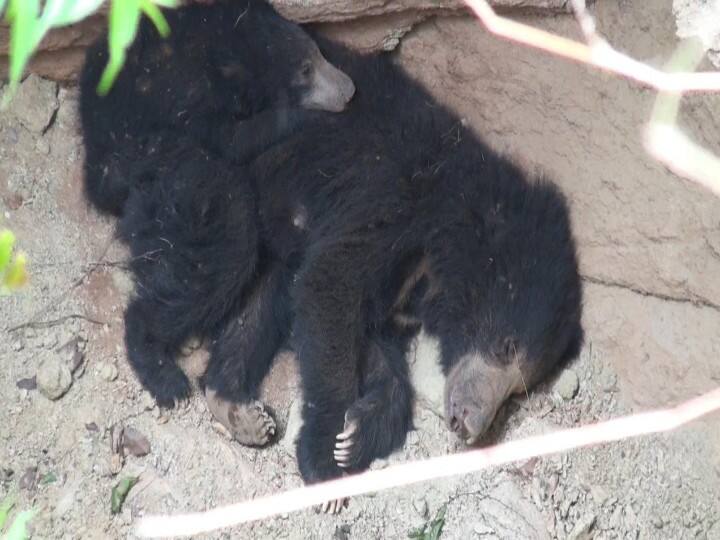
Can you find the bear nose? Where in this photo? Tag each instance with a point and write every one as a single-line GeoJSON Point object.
{"type": "Point", "coordinates": [457, 418]}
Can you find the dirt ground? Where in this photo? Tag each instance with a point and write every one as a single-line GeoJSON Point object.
{"type": "Point", "coordinates": [650, 255]}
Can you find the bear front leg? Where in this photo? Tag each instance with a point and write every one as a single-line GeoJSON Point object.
{"type": "Point", "coordinates": [377, 423]}
{"type": "Point", "coordinates": [153, 339]}
{"type": "Point", "coordinates": [328, 339]}
{"type": "Point", "coordinates": [241, 356]}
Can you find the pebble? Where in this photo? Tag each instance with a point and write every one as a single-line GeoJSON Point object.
{"type": "Point", "coordinates": [108, 371]}
{"type": "Point", "coordinates": [134, 443]}
{"type": "Point", "coordinates": [35, 103]}
{"type": "Point", "coordinates": [53, 378]}
{"type": "Point", "coordinates": [17, 345]}
{"type": "Point", "coordinates": [567, 385]}
{"type": "Point", "coordinates": [11, 136]}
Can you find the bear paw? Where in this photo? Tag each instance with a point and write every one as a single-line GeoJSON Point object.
{"type": "Point", "coordinates": [248, 423]}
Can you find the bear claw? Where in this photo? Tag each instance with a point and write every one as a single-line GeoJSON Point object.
{"type": "Point", "coordinates": [335, 506]}
{"type": "Point", "coordinates": [343, 452]}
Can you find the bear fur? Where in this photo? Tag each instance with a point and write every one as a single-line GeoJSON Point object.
{"type": "Point", "coordinates": [359, 229]}
{"type": "Point", "coordinates": [232, 76]}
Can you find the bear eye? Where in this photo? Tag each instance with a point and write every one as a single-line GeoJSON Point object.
{"type": "Point", "coordinates": [306, 69]}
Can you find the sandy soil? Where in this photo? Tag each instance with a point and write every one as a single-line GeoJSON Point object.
{"type": "Point", "coordinates": [650, 253]}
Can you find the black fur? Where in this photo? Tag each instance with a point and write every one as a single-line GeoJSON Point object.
{"type": "Point", "coordinates": [395, 183]}
{"type": "Point", "coordinates": [230, 77]}
{"type": "Point", "coordinates": [390, 211]}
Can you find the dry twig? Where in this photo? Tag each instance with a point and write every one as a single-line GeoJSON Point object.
{"type": "Point", "coordinates": [421, 471]}
{"type": "Point", "coordinates": [596, 53]}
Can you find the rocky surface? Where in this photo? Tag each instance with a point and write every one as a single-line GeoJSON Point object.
{"type": "Point", "coordinates": [651, 315]}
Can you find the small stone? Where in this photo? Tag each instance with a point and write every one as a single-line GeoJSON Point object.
{"type": "Point", "coordinates": [581, 530]}
{"type": "Point", "coordinates": [108, 371]}
{"type": "Point", "coordinates": [134, 443]}
{"type": "Point", "coordinates": [29, 383]}
{"type": "Point", "coordinates": [53, 378]}
{"type": "Point", "coordinates": [616, 518]}
{"type": "Point", "coordinates": [11, 136]}
{"type": "Point", "coordinates": [35, 103]}
{"type": "Point", "coordinates": [567, 385]}
{"type": "Point", "coordinates": [17, 345]}
{"type": "Point", "coordinates": [658, 522]}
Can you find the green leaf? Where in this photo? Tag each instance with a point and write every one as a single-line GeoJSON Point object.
{"type": "Point", "coordinates": [5, 508]}
{"type": "Point", "coordinates": [7, 240]}
{"type": "Point", "coordinates": [124, 19]}
{"type": "Point", "coordinates": [120, 492]}
{"type": "Point", "coordinates": [155, 15]}
{"type": "Point", "coordinates": [16, 276]}
{"type": "Point", "coordinates": [24, 38]}
{"type": "Point", "coordinates": [436, 526]}
{"type": "Point", "coordinates": [18, 530]}
{"type": "Point", "coordinates": [48, 478]}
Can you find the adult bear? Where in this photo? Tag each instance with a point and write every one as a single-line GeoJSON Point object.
{"type": "Point", "coordinates": [411, 220]}
{"type": "Point", "coordinates": [232, 76]}
{"type": "Point", "coordinates": [371, 223]}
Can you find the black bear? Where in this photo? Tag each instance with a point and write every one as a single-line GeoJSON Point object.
{"type": "Point", "coordinates": [361, 227]}
{"type": "Point", "coordinates": [233, 76]}
{"type": "Point", "coordinates": [412, 220]}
